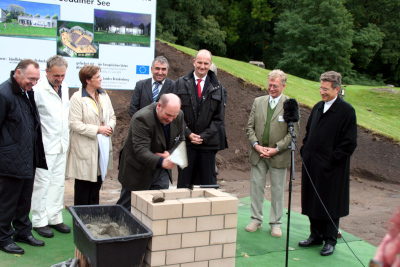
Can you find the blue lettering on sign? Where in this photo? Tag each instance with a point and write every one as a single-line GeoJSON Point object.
{"type": "Point", "coordinates": [141, 69]}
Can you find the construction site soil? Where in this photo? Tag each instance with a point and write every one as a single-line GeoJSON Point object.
{"type": "Point", "coordinates": [375, 174]}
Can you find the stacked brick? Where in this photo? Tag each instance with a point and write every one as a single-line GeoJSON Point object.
{"type": "Point", "coordinates": [191, 228]}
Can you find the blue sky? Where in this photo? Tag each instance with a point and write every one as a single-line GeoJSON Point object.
{"type": "Point", "coordinates": [33, 8]}
{"type": "Point", "coordinates": [135, 18]}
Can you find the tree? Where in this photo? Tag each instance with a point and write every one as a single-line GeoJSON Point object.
{"type": "Point", "coordinates": [183, 22]}
{"type": "Point", "coordinates": [316, 36]}
{"type": "Point", "coordinates": [15, 11]}
{"type": "Point", "coordinates": [377, 38]}
{"type": "Point", "coordinates": [47, 16]}
{"type": "Point", "coordinates": [248, 26]}
{"type": "Point", "coordinates": [37, 16]}
{"type": "Point", "coordinates": [55, 16]}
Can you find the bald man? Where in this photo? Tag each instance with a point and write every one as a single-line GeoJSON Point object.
{"type": "Point", "coordinates": [154, 133]}
{"type": "Point", "coordinates": [202, 97]}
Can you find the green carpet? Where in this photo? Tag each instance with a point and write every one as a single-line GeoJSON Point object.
{"type": "Point", "coordinates": [57, 249]}
{"type": "Point", "coordinates": [252, 249]}
{"type": "Point", "coordinates": [261, 249]}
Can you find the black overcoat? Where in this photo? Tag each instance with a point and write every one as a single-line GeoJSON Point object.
{"type": "Point", "coordinates": [330, 140]}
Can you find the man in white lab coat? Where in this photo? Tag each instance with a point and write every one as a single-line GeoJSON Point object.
{"type": "Point", "coordinates": [52, 99]}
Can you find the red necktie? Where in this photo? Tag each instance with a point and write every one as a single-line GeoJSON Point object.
{"type": "Point", "coordinates": [199, 88]}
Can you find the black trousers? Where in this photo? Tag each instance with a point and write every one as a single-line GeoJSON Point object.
{"type": "Point", "coordinates": [86, 192]}
{"type": "Point", "coordinates": [160, 181]}
{"type": "Point", "coordinates": [200, 169]}
{"type": "Point", "coordinates": [324, 230]}
{"type": "Point", "coordinates": [15, 204]}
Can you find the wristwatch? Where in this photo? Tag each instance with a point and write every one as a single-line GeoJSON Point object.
{"type": "Point", "coordinates": [376, 263]}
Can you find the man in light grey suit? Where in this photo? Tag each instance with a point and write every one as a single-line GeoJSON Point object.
{"type": "Point", "coordinates": [269, 139]}
{"type": "Point", "coordinates": [149, 90]}
{"type": "Point", "coordinates": [154, 133]}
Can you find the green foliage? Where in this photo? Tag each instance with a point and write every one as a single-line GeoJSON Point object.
{"type": "Point", "coordinates": [376, 107]}
{"type": "Point", "coordinates": [55, 16]}
{"type": "Point", "coordinates": [367, 41]}
{"type": "Point", "coordinates": [37, 16]}
{"type": "Point", "coordinates": [15, 11]}
{"type": "Point", "coordinates": [47, 16]}
{"type": "Point", "coordinates": [191, 23]}
{"type": "Point", "coordinates": [316, 36]}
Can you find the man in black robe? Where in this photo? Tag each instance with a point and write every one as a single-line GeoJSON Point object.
{"type": "Point", "coordinates": [330, 140]}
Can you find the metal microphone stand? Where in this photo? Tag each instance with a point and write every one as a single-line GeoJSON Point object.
{"type": "Point", "coordinates": [292, 174]}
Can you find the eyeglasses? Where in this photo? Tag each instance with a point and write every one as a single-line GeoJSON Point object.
{"type": "Point", "coordinates": [273, 86]}
{"type": "Point", "coordinates": [324, 89]}
{"type": "Point", "coordinates": [30, 79]}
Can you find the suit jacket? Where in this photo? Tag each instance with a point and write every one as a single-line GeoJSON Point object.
{"type": "Point", "coordinates": [143, 94]}
{"type": "Point", "coordinates": [330, 140]}
{"type": "Point", "coordinates": [279, 133]}
{"type": "Point", "coordinates": [202, 117]}
{"type": "Point", "coordinates": [138, 161]}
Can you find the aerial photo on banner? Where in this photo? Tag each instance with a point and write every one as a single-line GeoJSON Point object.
{"type": "Point", "coordinates": [75, 39]}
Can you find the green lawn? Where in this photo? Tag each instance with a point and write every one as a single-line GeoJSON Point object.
{"type": "Point", "coordinates": [20, 30]}
{"type": "Point", "coordinates": [376, 110]}
{"type": "Point", "coordinates": [105, 38]}
{"type": "Point", "coordinates": [86, 26]}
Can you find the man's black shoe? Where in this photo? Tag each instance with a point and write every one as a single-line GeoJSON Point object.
{"type": "Point", "coordinates": [310, 242]}
{"type": "Point", "coordinates": [44, 231]}
{"type": "Point", "coordinates": [62, 228]}
{"type": "Point", "coordinates": [12, 248]}
{"type": "Point", "coordinates": [327, 250]}
{"type": "Point", "coordinates": [30, 240]}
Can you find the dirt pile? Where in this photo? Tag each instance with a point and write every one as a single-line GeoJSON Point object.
{"type": "Point", "coordinates": [375, 158]}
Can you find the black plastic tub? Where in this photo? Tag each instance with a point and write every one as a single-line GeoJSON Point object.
{"type": "Point", "coordinates": [128, 250]}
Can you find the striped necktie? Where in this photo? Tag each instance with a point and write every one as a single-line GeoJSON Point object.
{"type": "Point", "coordinates": [156, 91]}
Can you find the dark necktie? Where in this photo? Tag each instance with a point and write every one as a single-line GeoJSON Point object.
{"type": "Point", "coordinates": [199, 88]}
{"type": "Point", "coordinates": [155, 91]}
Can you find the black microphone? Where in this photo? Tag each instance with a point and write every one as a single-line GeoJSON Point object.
{"type": "Point", "coordinates": [291, 112]}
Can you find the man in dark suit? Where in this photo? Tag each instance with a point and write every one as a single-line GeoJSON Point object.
{"type": "Point", "coordinates": [330, 140]}
{"type": "Point", "coordinates": [154, 133]}
{"type": "Point", "coordinates": [149, 91]}
{"type": "Point", "coordinates": [21, 152]}
{"type": "Point", "coordinates": [202, 97]}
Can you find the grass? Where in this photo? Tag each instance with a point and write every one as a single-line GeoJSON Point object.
{"type": "Point", "coordinates": [86, 26]}
{"type": "Point", "coordinates": [103, 37]}
{"type": "Point", "coordinates": [19, 30]}
{"type": "Point", "coordinates": [377, 110]}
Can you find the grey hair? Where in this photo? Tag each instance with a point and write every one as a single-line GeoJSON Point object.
{"type": "Point", "coordinates": [161, 60]}
{"type": "Point", "coordinates": [332, 76]}
{"type": "Point", "coordinates": [278, 73]}
{"type": "Point", "coordinates": [57, 61]}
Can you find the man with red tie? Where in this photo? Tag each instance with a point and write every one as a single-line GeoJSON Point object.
{"type": "Point", "coordinates": [202, 100]}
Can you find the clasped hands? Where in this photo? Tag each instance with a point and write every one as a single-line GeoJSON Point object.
{"type": "Point", "coordinates": [266, 152]}
{"type": "Point", "coordinates": [195, 139]}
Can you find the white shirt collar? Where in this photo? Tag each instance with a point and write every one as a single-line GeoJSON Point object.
{"type": "Point", "coordinates": [328, 104]}
{"type": "Point", "coordinates": [276, 99]}
{"type": "Point", "coordinates": [196, 78]}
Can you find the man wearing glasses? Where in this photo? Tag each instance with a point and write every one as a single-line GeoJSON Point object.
{"type": "Point", "coordinates": [330, 140]}
{"type": "Point", "coordinates": [269, 140]}
{"type": "Point", "coordinates": [21, 152]}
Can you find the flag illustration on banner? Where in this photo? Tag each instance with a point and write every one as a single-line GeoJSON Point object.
{"type": "Point", "coordinates": [141, 69]}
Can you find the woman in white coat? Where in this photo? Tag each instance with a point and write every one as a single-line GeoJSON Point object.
{"type": "Point", "coordinates": [90, 111]}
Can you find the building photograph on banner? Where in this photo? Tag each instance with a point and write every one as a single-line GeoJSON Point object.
{"type": "Point", "coordinates": [116, 35]}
